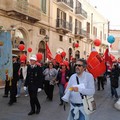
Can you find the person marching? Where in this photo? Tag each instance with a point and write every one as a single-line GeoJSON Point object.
{"type": "Point", "coordinates": [33, 82]}
{"type": "Point", "coordinates": [50, 74]}
{"type": "Point", "coordinates": [86, 87]}
{"type": "Point", "coordinates": [62, 79]}
{"type": "Point", "coordinates": [22, 76]}
{"type": "Point", "coordinates": [13, 86]}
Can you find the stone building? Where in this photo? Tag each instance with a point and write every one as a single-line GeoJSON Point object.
{"type": "Point", "coordinates": [66, 25]}
{"type": "Point", "coordinates": [65, 22]}
{"type": "Point", "coordinates": [115, 47]}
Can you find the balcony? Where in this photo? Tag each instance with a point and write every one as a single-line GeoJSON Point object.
{"type": "Point", "coordinates": [66, 4]}
{"type": "Point", "coordinates": [63, 26]}
{"type": "Point", "coordinates": [91, 37]}
{"type": "Point", "coordinates": [21, 9]}
{"type": "Point", "coordinates": [80, 33]}
{"type": "Point", "coordinates": [82, 14]}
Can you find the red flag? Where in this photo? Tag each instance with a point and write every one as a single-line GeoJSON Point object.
{"type": "Point", "coordinates": [48, 53]}
{"type": "Point", "coordinates": [107, 57]}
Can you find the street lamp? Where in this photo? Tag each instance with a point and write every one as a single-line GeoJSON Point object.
{"type": "Point", "coordinates": [46, 38]}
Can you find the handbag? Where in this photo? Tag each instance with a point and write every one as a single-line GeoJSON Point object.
{"type": "Point", "coordinates": [89, 103]}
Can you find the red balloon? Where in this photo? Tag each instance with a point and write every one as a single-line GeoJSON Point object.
{"type": "Point", "coordinates": [95, 64]}
{"type": "Point", "coordinates": [29, 49]}
{"type": "Point", "coordinates": [97, 42]}
{"type": "Point", "coordinates": [39, 56]}
{"type": "Point", "coordinates": [76, 45]}
{"type": "Point", "coordinates": [63, 54]}
{"type": "Point", "coordinates": [58, 58]}
{"type": "Point", "coordinates": [21, 47]}
{"type": "Point", "coordinates": [23, 57]}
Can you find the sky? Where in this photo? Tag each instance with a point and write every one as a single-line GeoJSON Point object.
{"type": "Point", "coordinates": [110, 9]}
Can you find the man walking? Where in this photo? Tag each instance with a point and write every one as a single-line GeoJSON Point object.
{"type": "Point", "coordinates": [85, 87]}
{"type": "Point", "coordinates": [33, 82]}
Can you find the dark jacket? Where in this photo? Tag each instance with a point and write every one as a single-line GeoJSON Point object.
{"type": "Point", "coordinates": [67, 75]}
{"type": "Point", "coordinates": [34, 78]}
{"type": "Point", "coordinates": [16, 67]}
{"type": "Point", "coordinates": [114, 77]}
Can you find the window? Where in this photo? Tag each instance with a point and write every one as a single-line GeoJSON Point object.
{"type": "Point", "coordinates": [61, 38]}
{"type": "Point", "coordinates": [70, 40]}
{"type": "Point", "coordinates": [100, 35]}
{"type": "Point", "coordinates": [70, 22]}
{"type": "Point", "coordinates": [43, 6]}
{"type": "Point", "coordinates": [42, 31]}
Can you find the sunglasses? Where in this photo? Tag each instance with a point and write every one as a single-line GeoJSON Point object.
{"type": "Point", "coordinates": [78, 65]}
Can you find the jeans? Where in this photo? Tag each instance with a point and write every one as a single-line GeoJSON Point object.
{"type": "Point", "coordinates": [82, 114]}
{"type": "Point", "coordinates": [61, 91]}
{"type": "Point", "coordinates": [114, 92]}
{"type": "Point", "coordinates": [20, 82]}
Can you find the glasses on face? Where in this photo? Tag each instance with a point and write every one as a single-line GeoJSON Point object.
{"type": "Point", "coordinates": [79, 65]}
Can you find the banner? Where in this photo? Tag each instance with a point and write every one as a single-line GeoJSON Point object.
{"type": "Point", "coordinates": [5, 56]}
{"type": "Point", "coordinates": [48, 53]}
{"type": "Point", "coordinates": [107, 57]}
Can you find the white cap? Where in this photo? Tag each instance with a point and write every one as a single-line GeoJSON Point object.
{"type": "Point", "coordinates": [33, 57]}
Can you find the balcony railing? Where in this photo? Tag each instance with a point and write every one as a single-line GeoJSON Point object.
{"type": "Point", "coordinates": [91, 36]}
{"type": "Point", "coordinates": [65, 3]}
{"type": "Point", "coordinates": [80, 32]}
{"type": "Point", "coordinates": [82, 13]}
{"type": "Point", "coordinates": [22, 8]}
{"type": "Point", "coordinates": [63, 24]}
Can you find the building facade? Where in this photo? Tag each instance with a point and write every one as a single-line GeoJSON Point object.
{"type": "Point", "coordinates": [115, 47]}
{"type": "Point", "coordinates": [65, 25]}
{"type": "Point", "coordinates": [76, 21]}
{"type": "Point", "coordinates": [65, 22]}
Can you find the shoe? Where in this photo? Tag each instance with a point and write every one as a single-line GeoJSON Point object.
{"type": "Point", "coordinates": [116, 99]}
{"type": "Point", "coordinates": [10, 103]}
{"type": "Point", "coordinates": [26, 95]}
{"type": "Point", "coordinates": [17, 96]}
{"type": "Point", "coordinates": [31, 113]}
{"type": "Point", "coordinates": [5, 95]}
{"type": "Point", "coordinates": [61, 104]}
{"type": "Point", "coordinates": [38, 111]}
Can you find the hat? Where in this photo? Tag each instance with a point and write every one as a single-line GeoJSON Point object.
{"type": "Point", "coordinates": [62, 64]}
{"type": "Point", "coordinates": [22, 61]}
{"type": "Point", "coordinates": [14, 55]}
{"type": "Point", "coordinates": [33, 57]}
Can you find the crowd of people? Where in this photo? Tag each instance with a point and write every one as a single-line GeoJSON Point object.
{"type": "Point", "coordinates": [33, 77]}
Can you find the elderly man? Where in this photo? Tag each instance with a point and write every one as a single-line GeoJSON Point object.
{"type": "Point", "coordinates": [85, 87]}
{"type": "Point", "coordinates": [33, 82]}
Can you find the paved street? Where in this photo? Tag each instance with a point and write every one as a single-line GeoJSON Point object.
{"type": "Point", "coordinates": [52, 110]}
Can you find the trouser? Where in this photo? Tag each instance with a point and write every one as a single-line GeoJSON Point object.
{"type": "Point", "coordinates": [13, 90]}
{"type": "Point", "coordinates": [48, 89]}
{"type": "Point", "coordinates": [114, 92]}
{"type": "Point", "coordinates": [61, 91]}
{"type": "Point", "coordinates": [7, 87]}
{"type": "Point", "coordinates": [19, 87]}
{"type": "Point", "coordinates": [34, 102]}
{"type": "Point", "coordinates": [82, 114]}
{"type": "Point", "coordinates": [100, 82]}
